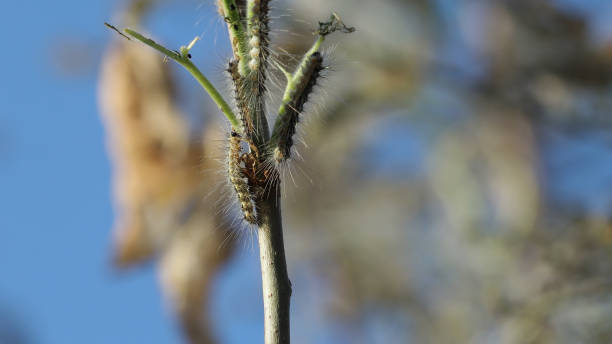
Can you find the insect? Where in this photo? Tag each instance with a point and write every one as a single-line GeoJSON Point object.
{"type": "Point", "coordinates": [237, 178]}
{"type": "Point", "coordinates": [304, 80]}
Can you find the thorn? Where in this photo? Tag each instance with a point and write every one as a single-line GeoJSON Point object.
{"type": "Point", "coordinates": [192, 43]}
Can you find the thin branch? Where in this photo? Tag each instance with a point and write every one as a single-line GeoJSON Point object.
{"type": "Point", "coordinates": [325, 28]}
{"type": "Point", "coordinates": [295, 79]}
{"type": "Point", "coordinates": [238, 38]}
{"type": "Point", "coordinates": [182, 57]}
{"type": "Point", "coordinates": [117, 31]}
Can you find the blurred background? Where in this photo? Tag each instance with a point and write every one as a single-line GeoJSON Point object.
{"type": "Point", "coordinates": [452, 186]}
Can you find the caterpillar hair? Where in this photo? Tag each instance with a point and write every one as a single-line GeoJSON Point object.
{"type": "Point", "coordinates": [238, 179]}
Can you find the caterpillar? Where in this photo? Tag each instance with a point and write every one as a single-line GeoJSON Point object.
{"type": "Point", "coordinates": [254, 82]}
{"type": "Point", "coordinates": [257, 28]}
{"type": "Point", "coordinates": [248, 93]}
{"type": "Point", "coordinates": [237, 178]}
{"type": "Point", "coordinates": [299, 88]}
{"type": "Point", "coordinates": [241, 96]}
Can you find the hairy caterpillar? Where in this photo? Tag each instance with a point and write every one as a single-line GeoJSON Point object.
{"type": "Point", "coordinates": [299, 87]}
{"type": "Point", "coordinates": [237, 178]}
{"type": "Point", "coordinates": [293, 104]}
{"type": "Point", "coordinates": [257, 28]}
{"type": "Point", "coordinates": [241, 98]}
{"type": "Point", "coordinates": [249, 100]}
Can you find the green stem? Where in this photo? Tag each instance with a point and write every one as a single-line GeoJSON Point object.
{"type": "Point", "coordinates": [325, 28]}
{"type": "Point", "coordinates": [184, 61]}
{"type": "Point", "coordinates": [238, 37]}
{"type": "Point", "coordinates": [293, 80]}
{"type": "Point", "coordinates": [171, 54]}
{"type": "Point", "coordinates": [213, 93]}
{"type": "Point", "coordinates": [252, 12]}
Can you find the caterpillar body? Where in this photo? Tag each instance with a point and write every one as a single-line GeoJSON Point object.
{"type": "Point", "coordinates": [254, 82]}
{"type": "Point", "coordinates": [257, 27]}
{"type": "Point", "coordinates": [238, 179]}
{"type": "Point", "coordinates": [240, 97]}
{"type": "Point", "coordinates": [248, 93]}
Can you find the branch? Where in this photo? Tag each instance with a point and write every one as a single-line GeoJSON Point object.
{"type": "Point", "coordinates": [276, 286]}
{"type": "Point", "coordinates": [182, 57]}
{"type": "Point", "coordinates": [230, 11]}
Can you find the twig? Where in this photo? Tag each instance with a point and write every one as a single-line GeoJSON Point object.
{"type": "Point", "coordinates": [117, 31]}
{"type": "Point", "coordinates": [183, 57]}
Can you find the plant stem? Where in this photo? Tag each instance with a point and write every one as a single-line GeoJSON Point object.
{"type": "Point", "coordinates": [195, 72]}
{"type": "Point", "coordinates": [275, 280]}
{"type": "Point", "coordinates": [237, 35]}
{"type": "Point", "coordinates": [293, 80]}
{"type": "Point", "coordinates": [213, 93]}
